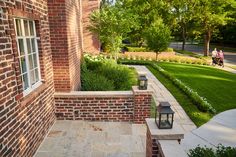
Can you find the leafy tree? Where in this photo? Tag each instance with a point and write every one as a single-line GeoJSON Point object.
{"type": "Point", "coordinates": [182, 13]}
{"type": "Point", "coordinates": [111, 25]}
{"type": "Point", "coordinates": [158, 37]}
{"type": "Point", "coordinates": [211, 14]}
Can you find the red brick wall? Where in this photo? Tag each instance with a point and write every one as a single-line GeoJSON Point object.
{"type": "Point", "coordinates": [102, 107]}
{"type": "Point", "coordinates": [66, 40]}
{"type": "Point", "coordinates": [142, 101]}
{"type": "Point", "coordinates": [91, 41]}
{"type": "Point", "coordinates": [133, 106]}
{"type": "Point", "coordinates": [24, 121]}
{"type": "Point", "coordinates": [151, 145]}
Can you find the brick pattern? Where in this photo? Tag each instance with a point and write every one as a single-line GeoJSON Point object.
{"type": "Point", "coordinates": [153, 148]}
{"type": "Point", "coordinates": [66, 40]}
{"type": "Point", "coordinates": [142, 108]}
{"type": "Point", "coordinates": [104, 106]}
{"type": "Point", "coordinates": [95, 108]}
{"type": "Point", "coordinates": [24, 121]}
{"type": "Point", "coordinates": [91, 41]}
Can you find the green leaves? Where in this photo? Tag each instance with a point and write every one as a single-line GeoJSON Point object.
{"type": "Point", "coordinates": [158, 36]}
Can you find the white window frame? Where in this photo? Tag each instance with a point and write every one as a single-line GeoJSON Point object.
{"type": "Point", "coordinates": [24, 37]}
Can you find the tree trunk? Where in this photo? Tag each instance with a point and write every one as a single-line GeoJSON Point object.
{"type": "Point", "coordinates": [183, 37]}
{"type": "Point", "coordinates": [207, 39]}
{"type": "Point", "coordinates": [156, 55]}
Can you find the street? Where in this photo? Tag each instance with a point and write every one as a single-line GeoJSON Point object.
{"type": "Point", "coordinates": [230, 57]}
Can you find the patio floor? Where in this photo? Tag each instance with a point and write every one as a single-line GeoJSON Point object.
{"type": "Point", "coordinates": [94, 139]}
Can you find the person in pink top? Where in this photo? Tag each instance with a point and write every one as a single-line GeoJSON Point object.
{"type": "Point", "coordinates": [221, 56]}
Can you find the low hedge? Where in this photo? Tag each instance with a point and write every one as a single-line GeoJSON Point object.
{"type": "Point", "coordinates": [221, 151]}
{"type": "Point", "coordinates": [199, 101]}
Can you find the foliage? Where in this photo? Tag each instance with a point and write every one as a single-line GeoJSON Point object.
{"type": "Point", "coordinates": [158, 37]}
{"type": "Point", "coordinates": [97, 72]}
{"type": "Point", "coordinates": [94, 82]}
{"type": "Point", "coordinates": [137, 49]}
{"type": "Point", "coordinates": [111, 25]}
{"type": "Point", "coordinates": [210, 14]}
{"type": "Point", "coordinates": [221, 151]}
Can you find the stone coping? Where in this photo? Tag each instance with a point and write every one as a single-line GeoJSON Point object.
{"type": "Point", "coordinates": [176, 133]}
{"type": "Point", "coordinates": [147, 91]}
{"type": "Point", "coordinates": [95, 94]}
{"type": "Point", "coordinates": [171, 148]}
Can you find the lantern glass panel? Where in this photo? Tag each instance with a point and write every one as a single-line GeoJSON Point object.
{"type": "Point", "coordinates": [142, 83]}
{"type": "Point", "coordinates": [164, 121]}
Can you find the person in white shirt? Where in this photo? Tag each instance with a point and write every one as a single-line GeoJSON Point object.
{"type": "Point", "coordinates": [214, 55]}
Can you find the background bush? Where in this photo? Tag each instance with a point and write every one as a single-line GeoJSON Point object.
{"type": "Point", "coordinates": [221, 151]}
{"type": "Point", "coordinates": [101, 74]}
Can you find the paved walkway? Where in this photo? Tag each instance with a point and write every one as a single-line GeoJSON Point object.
{"type": "Point", "coordinates": [220, 129]}
{"type": "Point", "coordinates": [94, 139]}
{"type": "Point", "coordinates": [162, 94]}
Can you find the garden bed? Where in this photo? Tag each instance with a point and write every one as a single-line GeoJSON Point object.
{"type": "Point", "coordinates": [101, 74]}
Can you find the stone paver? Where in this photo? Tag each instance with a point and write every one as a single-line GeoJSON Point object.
{"type": "Point", "coordinates": [94, 139]}
{"type": "Point", "coordinates": [220, 129]}
{"type": "Point", "coordinates": [160, 93]}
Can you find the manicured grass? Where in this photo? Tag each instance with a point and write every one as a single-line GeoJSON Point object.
{"type": "Point", "coordinates": [217, 86]}
{"type": "Point", "coordinates": [188, 53]}
{"type": "Point", "coordinates": [193, 112]}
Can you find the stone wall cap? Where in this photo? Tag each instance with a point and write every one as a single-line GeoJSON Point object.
{"type": "Point", "coordinates": [136, 90]}
{"type": "Point", "coordinates": [95, 93]}
{"type": "Point", "coordinates": [164, 134]}
{"type": "Point", "coordinates": [171, 148]}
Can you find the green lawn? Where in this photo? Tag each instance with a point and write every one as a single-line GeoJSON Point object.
{"type": "Point", "coordinates": [217, 86]}
{"type": "Point", "coordinates": [193, 112]}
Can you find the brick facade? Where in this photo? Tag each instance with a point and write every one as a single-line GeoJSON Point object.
{"type": "Point", "coordinates": [91, 41]}
{"type": "Point", "coordinates": [133, 106]}
{"type": "Point", "coordinates": [66, 40]}
{"type": "Point", "coordinates": [24, 121]}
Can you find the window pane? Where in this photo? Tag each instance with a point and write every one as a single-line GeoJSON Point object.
{"type": "Point", "coordinates": [25, 82]}
{"type": "Point", "coordinates": [30, 62]}
{"type": "Point", "coordinates": [28, 46]}
{"type": "Point", "coordinates": [23, 65]}
{"type": "Point", "coordinates": [36, 74]}
{"type": "Point", "coordinates": [35, 60]}
{"type": "Point", "coordinates": [26, 27]}
{"type": "Point", "coordinates": [33, 44]}
{"type": "Point", "coordinates": [32, 77]}
{"type": "Point", "coordinates": [18, 27]}
{"type": "Point", "coordinates": [31, 28]}
{"type": "Point", "coordinates": [21, 46]}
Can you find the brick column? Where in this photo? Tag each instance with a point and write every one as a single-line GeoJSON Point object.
{"type": "Point", "coordinates": [142, 104]}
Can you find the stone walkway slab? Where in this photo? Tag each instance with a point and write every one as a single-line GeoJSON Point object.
{"type": "Point", "coordinates": [160, 93]}
{"type": "Point", "coordinates": [221, 129]}
{"type": "Point", "coordinates": [94, 139]}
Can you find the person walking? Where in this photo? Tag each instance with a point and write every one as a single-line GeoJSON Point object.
{"type": "Point", "coordinates": [214, 54]}
{"type": "Point", "coordinates": [221, 56]}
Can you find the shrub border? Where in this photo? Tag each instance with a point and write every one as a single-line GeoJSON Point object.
{"type": "Point", "coordinates": [199, 101]}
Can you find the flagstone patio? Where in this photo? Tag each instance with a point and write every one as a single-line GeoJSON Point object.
{"type": "Point", "coordinates": [94, 139]}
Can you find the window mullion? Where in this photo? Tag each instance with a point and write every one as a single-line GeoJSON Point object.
{"type": "Point", "coordinates": [37, 51]}
{"type": "Point", "coordinates": [26, 53]}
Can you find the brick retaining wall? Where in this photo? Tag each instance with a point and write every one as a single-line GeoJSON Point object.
{"type": "Point", "coordinates": [128, 106]}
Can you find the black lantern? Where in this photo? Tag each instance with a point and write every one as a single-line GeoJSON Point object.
{"type": "Point", "coordinates": [142, 82]}
{"type": "Point", "coordinates": [164, 116]}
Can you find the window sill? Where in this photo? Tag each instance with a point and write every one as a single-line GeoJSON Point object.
{"type": "Point", "coordinates": [32, 95]}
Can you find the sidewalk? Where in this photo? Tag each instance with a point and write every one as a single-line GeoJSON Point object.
{"type": "Point", "coordinates": [220, 129]}
{"type": "Point", "coordinates": [162, 94]}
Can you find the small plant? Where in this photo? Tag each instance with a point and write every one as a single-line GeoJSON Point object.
{"type": "Point", "coordinates": [221, 151]}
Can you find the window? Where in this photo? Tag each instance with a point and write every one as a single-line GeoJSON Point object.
{"type": "Point", "coordinates": [28, 54]}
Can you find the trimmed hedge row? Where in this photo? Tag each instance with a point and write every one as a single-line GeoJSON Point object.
{"type": "Point", "coordinates": [199, 101]}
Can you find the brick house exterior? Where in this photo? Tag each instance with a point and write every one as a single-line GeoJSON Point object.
{"type": "Point", "coordinates": [25, 117]}
{"type": "Point", "coordinates": [41, 45]}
